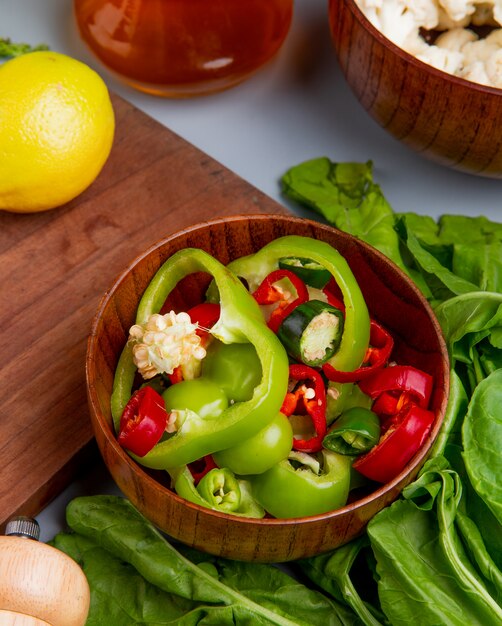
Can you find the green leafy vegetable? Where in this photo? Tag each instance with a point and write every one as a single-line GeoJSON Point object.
{"type": "Point", "coordinates": [137, 577]}
{"type": "Point", "coordinates": [10, 49]}
{"type": "Point", "coordinates": [481, 433]}
{"type": "Point", "coordinates": [438, 550]}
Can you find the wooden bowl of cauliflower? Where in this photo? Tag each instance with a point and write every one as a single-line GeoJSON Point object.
{"type": "Point", "coordinates": [430, 73]}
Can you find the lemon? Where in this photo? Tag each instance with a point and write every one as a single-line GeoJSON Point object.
{"type": "Point", "coordinates": [56, 130]}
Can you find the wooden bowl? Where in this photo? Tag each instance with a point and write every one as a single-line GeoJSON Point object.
{"type": "Point", "coordinates": [392, 299]}
{"type": "Point", "coordinates": [450, 120]}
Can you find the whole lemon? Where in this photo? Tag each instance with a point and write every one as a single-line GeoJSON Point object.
{"type": "Point", "coordinates": [56, 130]}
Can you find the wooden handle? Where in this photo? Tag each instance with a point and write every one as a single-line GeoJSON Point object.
{"type": "Point", "coordinates": [11, 618]}
{"type": "Point", "coordinates": [38, 580]}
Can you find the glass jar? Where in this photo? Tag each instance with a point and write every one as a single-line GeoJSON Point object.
{"type": "Point", "coordinates": [183, 48]}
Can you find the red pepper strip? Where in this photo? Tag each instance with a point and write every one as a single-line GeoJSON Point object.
{"type": "Point", "coordinates": [377, 355]}
{"type": "Point", "coordinates": [315, 407]}
{"type": "Point", "coordinates": [397, 446]}
{"type": "Point", "coordinates": [400, 378]}
{"type": "Point", "coordinates": [143, 421]}
{"type": "Point", "coordinates": [201, 467]}
{"type": "Point", "coordinates": [206, 315]}
{"type": "Point", "coordinates": [389, 403]}
{"type": "Point", "coordinates": [268, 294]}
{"type": "Point", "coordinates": [333, 300]}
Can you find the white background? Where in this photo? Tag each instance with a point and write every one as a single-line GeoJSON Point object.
{"type": "Point", "coordinates": [296, 108]}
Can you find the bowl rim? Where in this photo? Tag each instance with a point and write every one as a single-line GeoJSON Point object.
{"type": "Point", "coordinates": [417, 460]}
{"type": "Point", "coordinates": [410, 58]}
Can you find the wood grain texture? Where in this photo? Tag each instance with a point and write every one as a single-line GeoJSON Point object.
{"type": "Point", "coordinates": [56, 266]}
{"type": "Point", "coordinates": [452, 121]}
{"type": "Point", "coordinates": [392, 299]}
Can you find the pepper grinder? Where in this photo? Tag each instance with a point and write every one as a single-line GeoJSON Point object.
{"type": "Point", "coordinates": [39, 584]}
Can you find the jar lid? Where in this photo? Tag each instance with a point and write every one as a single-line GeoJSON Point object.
{"type": "Point", "coordinates": [23, 526]}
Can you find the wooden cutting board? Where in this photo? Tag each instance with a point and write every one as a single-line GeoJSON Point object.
{"type": "Point", "coordinates": [55, 266]}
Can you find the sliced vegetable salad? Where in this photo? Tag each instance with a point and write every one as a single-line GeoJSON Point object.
{"type": "Point", "coordinates": [277, 395]}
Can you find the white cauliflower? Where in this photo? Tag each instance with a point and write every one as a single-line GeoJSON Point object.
{"type": "Point", "coordinates": [493, 67]}
{"type": "Point", "coordinates": [164, 343]}
{"type": "Point", "coordinates": [457, 10]}
{"type": "Point", "coordinates": [483, 15]}
{"type": "Point", "coordinates": [456, 39]}
{"type": "Point", "coordinates": [457, 50]}
{"type": "Point", "coordinates": [442, 58]}
{"type": "Point", "coordinates": [475, 72]}
{"type": "Point", "coordinates": [425, 12]}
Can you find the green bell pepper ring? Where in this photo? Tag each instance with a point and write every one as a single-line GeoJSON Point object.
{"type": "Point", "coordinates": [240, 321]}
{"type": "Point", "coordinates": [286, 492]}
{"type": "Point", "coordinates": [356, 431]}
{"type": "Point", "coordinates": [184, 486]}
{"type": "Point", "coordinates": [355, 338]}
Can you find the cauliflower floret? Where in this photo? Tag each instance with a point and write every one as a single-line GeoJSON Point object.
{"type": "Point", "coordinates": [396, 22]}
{"type": "Point", "coordinates": [371, 9]}
{"type": "Point", "coordinates": [445, 22]}
{"type": "Point", "coordinates": [457, 10]}
{"type": "Point", "coordinates": [480, 50]}
{"type": "Point", "coordinates": [493, 67]}
{"type": "Point", "coordinates": [415, 45]}
{"type": "Point", "coordinates": [497, 11]}
{"type": "Point", "coordinates": [425, 12]}
{"type": "Point", "coordinates": [483, 14]}
{"type": "Point", "coordinates": [447, 60]}
{"type": "Point", "coordinates": [455, 39]}
{"type": "Point", "coordinates": [164, 343]}
{"type": "Point", "coordinates": [475, 72]}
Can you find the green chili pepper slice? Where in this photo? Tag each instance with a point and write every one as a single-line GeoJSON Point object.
{"type": "Point", "coordinates": [356, 431]}
{"type": "Point", "coordinates": [184, 486]}
{"type": "Point", "coordinates": [240, 321]}
{"type": "Point", "coordinates": [221, 489]}
{"type": "Point", "coordinates": [309, 271]}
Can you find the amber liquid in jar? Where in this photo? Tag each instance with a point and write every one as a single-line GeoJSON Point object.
{"type": "Point", "coordinates": [182, 48]}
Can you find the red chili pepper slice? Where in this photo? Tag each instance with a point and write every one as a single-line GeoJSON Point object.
{"type": "Point", "coordinates": [143, 421]}
{"type": "Point", "coordinates": [377, 356]}
{"type": "Point", "coordinates": [315, 407]}
{"type": "Point", "coordinates": [333, 300]}
{"type": "Point", "coordinates": [267, 293]}
{"type": "Point", "coordinates": [201, 467]}
{"type": "Point", "coordinates": [397, 446]}
{"type": "Point", "coordinates": [206, 315]}
{"type": "Point", "coordinates": [404, 378]}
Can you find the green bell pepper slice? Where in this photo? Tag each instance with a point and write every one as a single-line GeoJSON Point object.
{"type": "Point", "coordinates": [355, 339]}
{"type": "Point", "coordinates": [356, 431]}
{"type": "Point", "coordinates": [310, 488]}
{"type": "Point", "coordinates": [245, 504]}
{"type": "Point", "coordinates": [240, 321]}
{"type": "Point", "coordinates": [343, 396]}
{"type": "Point", "coordinates": [234, 367]}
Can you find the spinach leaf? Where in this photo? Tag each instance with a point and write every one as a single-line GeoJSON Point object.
{"type": "Point", "coordinates": [120, 596]}
{"type": "Point", "coordinates": [435, 579]}
{"type": "Point", "coordinates": [333, 573]}
{"type": "Point", "coordinates": [442, 282]}
{"type": "Point", "coordinates": [345, 194]}
{"type": "Point", "coordinates": [482, 440]}
{"type": "Point", "coordinates": [236, 593]}
{"type": "Point", "coordinates": [439, 549]}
